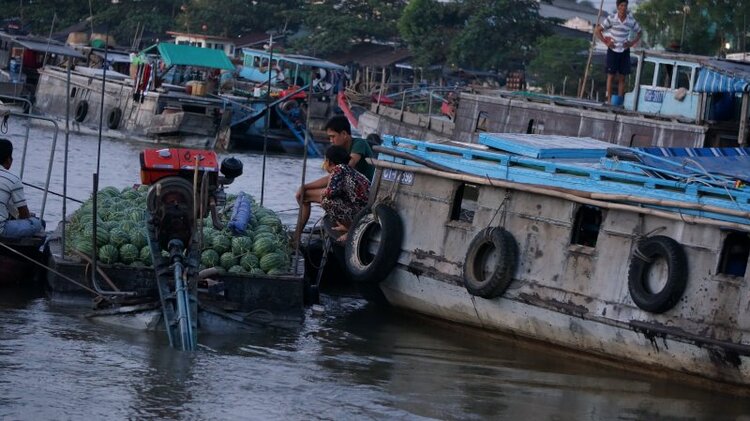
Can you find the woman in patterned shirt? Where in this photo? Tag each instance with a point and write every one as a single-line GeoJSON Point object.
{"type": "Point", "coordinates": [347, 191]}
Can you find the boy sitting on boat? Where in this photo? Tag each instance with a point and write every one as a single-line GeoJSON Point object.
{"type": "Point", "coordinates": [15, 219]}
{"type": "Point", "coordinates": [347, 191]}
{"type": "Point", "coordinates": [339, 132]}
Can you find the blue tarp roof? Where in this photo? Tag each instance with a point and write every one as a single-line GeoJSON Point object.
{"type": "Point", "coordinates": [729, 162]}
{"type": "Point", "coordinates": [712, 81]}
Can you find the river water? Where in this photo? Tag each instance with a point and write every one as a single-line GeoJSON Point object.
{"type": "Point", "coordinates": [355, 361]}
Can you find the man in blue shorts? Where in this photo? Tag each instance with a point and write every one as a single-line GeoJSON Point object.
{"type": "Point", "coordinates": [619, 27]}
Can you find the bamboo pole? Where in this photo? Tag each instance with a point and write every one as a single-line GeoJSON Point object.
{"type": "Point", "coordinates": [591, 51]}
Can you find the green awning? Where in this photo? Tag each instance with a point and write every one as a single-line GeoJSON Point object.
{"type": "Point", "coordinates": [186, 55]}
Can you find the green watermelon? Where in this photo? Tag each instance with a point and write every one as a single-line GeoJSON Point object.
{"type": "Point", "coordinates": [257, 272]}
{"type": "Point", "coordinates": [108, 254]}
{"type": "Point", "coordinates": [129, 253]}
{"type": "Point", "coordinates": [138, 238]}
{"type": "Point", "coordinates": [276, 272]}
{"type": "Point", "coordinates": [228, 260]}
{"type": "Point", "coordinates": [145, 255]}
{"type": "Point", "coordinates": [85, 246]}
{"type": "Point", "coordinates": [242, 245]}
{"type": "Point", "coordinates": [249, 261]}
{"type": "Point", "coordinates": [102, 236]}
{"type": "Point", "coordinates": [265, 228]}
{"type": "Point", "coordinates": [128, 226]}
{"type": "Point", "coordinates": [263, 246]}
{"type": "Point", "coordinates": [118, 237]}
{"type": "Point", "coordinates": [209, 258]}
{"type": "Point", "coordinates": [236, 269]}
{"type": "Point", "coordinates": [222, 243]}
{"type": "Point", "coordinates": [273, 261]}
{"type": "Point", "coordinates": [109, 191]}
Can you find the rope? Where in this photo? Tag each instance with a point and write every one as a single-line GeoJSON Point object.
{"type": "Point", "coordinates": [502, 206]}
{"type": "Point", "coordinates": [4, 124]}
{"type": "Point", "coordinates": [74, 282]}
{"type": "Point", "coordinates": [639, 238]}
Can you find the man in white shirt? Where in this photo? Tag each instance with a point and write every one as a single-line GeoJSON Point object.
{"type": "Point", "coordinates": [15, 219]}
{"type": "Point", "coordinates": [619, 27]}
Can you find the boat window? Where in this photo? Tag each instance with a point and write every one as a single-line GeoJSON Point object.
{"type": "Point", "coordinates": [218, 46]}
{"type": "Point", "coordinates": [530, 127]}
{"type": "Point", "coordinates": [586, 226]}
{"type": "Point", "coordinates": [665, 75]}
{"type": "Point", "coordinates": [734, 254]}
{"type": "Point", "coordinates": [647, 74]}
{"type": "Point", "coordinates": [683, 77]}
{"type": "Point", "coordinates": [465, 202]}
{"type": "Point", "coordinates": [482, 122]}
{"type": "Point", "coordinates": [73, 91]}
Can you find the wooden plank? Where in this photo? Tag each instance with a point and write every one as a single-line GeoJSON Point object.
{"type": "Point", "coordinates": [545, 146]}
{"type": "Point", "coordinates": [529, 171]}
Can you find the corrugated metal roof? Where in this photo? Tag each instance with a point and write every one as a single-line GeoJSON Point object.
{"type": "Point", "coordinates": [294, 58]}
{"type": "Point", "coordinates": [186, 55]}
{"type": "Point", "coordinates": [51, 48]}
{"type": "Point", "coordinates": [113, 57]}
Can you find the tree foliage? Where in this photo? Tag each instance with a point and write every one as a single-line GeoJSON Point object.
{"type": "Point", "coordinates": [335, 25]}
{"type": "Point", "coordinates": [232, 17]}
{"type": "Point", "coordinates": [429, 27]}
{"type": "Point", "coordinates": [478, 34]}
{"type": "Point", "coordinates": [559, 61]}
{"type": "Point", "coordinates": [708, 24]}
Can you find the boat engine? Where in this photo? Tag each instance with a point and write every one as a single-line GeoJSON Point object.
{"type": "Point", "coordinates": [173, 201]}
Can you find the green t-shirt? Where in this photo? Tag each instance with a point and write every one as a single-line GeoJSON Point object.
{"type": "Point", "coordinates": [362, 148]}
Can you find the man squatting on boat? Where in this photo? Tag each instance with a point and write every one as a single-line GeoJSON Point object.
{"type": "Point", "coordinates": [339, 133]}
{"type": "Point", "coordinates": [619, 26]}
{"type": "Point", "coordinates": [15, 219]}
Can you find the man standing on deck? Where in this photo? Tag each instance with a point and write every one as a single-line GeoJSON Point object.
{"type": "Point", "coordinates": [339, 133]}
{"type": "Point", "coordinates": [619, 26]}
{"type": "Point", "coordinates": [15, 219]}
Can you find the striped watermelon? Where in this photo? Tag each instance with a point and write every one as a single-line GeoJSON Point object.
{"type": "Point", "coordinates": [273, 261]}
{"type": "Point", "coordinates": [129, 253]}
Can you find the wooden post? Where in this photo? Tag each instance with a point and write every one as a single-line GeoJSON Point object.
{"type": "Point", "coordinates": [743, 120]}
{"type": "Point", "coordinates": [591, 51]}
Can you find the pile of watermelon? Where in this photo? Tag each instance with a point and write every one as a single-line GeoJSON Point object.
{"type": "Point", "coordinates": [121, 236]}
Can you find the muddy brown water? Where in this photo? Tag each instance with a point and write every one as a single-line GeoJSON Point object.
{"type": "Point", "coordinates": [355, 361]}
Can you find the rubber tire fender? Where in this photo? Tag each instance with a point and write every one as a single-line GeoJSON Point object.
{"type": "Point", "coordinates": [653, 248]}
{"type": "Point", "coordinates": [484, 243]}
{"type": "Point", "coordinates": [362, 266]}
{"type": "Point", "coordinates": [114, 117]}
{"type": "Point", "coordinates": [82, 109]}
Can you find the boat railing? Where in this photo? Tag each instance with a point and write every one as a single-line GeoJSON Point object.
{"type": "Point", "coordinates": [499, 164]}
{"type": "Point", "coordinates": [6, 113]}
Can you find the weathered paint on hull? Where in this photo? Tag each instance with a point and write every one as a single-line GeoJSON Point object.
{"type": "Point", "coordinates": [450, 302]}
{"type": "Point", "coordinates": [139, 118]}
{"type": "Point", "coordinates": [566, 294]}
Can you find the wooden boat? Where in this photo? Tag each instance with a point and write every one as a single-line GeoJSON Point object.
{"type": "Point", "coordinates": [127, 295]}
{"type": "Point", "coordinates": [679, 100]}
{"type": "Point", "coordinates": [635, 256]}
{"type": "Point", "coordinates": [134, 106]}
{"type": "Point", "coordinates": [293, 104]}
{"type": "Point", "coordinates": [19, 261]}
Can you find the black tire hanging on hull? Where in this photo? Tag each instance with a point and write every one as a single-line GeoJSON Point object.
{"type": "Point", "coordinates": [362, 265]}
{"type": "Point", "coordinates": [647, 252]}
{"type": "Point", "coordinates": [481, 282]}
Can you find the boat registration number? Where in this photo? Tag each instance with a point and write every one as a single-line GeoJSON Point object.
{"type": "Point", "coordinates": [653, 95]}
{"type": "Point", "coordinates": [404, 177]}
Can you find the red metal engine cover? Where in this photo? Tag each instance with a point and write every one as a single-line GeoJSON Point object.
{"type": "Point", "coordinates": [159, 163]}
